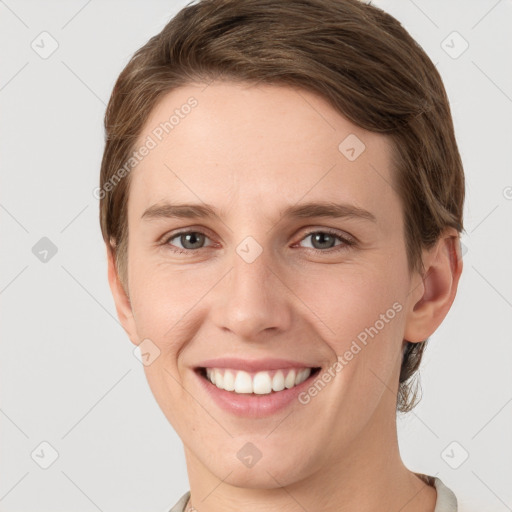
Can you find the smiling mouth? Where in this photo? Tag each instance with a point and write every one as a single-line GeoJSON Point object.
{"type": "Point", "coordinates": [257, 383]}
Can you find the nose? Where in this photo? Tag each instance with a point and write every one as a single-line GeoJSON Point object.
{"type": "Point", "coordinates": [253, 301]}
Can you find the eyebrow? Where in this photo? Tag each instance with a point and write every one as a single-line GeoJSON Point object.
{"type": "Point", "coordinates": [301, 211]}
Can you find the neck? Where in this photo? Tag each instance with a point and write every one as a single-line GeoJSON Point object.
{"type": "Point", "coordinates": [366, 475]}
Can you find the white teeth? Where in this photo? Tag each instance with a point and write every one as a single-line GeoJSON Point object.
{"type": "Point", "coordinates": [302, 376]}
{"type": "Point", "coordinates": [289, 382]}
{"type": "Point", "coordinates": [278, 381]}
{"type": "Point", "coordinates": [229, 380]}
{"type": "Point", "coordinates": [261, 383]}
{"type": "Point", "coordinates": [218, 378]}
{"type": "Point", "coordinates": [243, 383]}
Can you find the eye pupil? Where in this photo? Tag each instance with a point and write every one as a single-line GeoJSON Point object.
{"type": "Point", "coordinates": [321, 238]}
{"type": "Point", "coordinates": [185, 239]}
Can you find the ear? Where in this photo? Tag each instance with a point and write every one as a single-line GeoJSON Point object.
{"type": "Point", "coordinates": [121, 299]}
{"type": "Point", "coordinates": [434, 292]}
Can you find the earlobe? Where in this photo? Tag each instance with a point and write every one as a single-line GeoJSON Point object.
{"type": "Point", "coordinates": [443, 267]}
{"type": "Point", "coordinates": [121, 299]}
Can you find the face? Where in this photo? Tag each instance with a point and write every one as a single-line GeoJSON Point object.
{"type": "Point", "coordinates": [268, 282]}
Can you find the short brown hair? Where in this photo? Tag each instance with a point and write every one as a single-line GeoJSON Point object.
{"type": "Point", "coordinates": [353, 54]}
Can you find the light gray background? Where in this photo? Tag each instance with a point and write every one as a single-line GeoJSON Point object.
{"type": "Point", "coordinates": [68, 373]}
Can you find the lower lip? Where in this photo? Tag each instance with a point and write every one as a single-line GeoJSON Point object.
{"type": "Point", "coordinates": [251, 405]}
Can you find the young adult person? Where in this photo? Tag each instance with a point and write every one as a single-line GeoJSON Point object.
{"type": "Point", "coordinates": [281, 199]}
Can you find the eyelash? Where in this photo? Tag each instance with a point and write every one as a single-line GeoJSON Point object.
{"type": "Point", "coordinates": [347, 242]}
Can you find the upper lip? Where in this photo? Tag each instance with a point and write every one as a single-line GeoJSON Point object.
{"type": "Point", "coordinates": [253, 365]}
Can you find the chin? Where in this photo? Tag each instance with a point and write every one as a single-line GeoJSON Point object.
{"type": "Point", "coordinates": [264, 468]}
{"type": "Point", "coordinates": [262, 476]}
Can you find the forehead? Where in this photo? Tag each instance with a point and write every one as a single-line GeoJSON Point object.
{"type": "Point", "coordinates": [260, 147]}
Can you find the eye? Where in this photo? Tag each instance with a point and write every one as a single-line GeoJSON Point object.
{"type": "Point", "coordinates": [189, 240]}
{"type": "Point", "coordinates": [324, 240]}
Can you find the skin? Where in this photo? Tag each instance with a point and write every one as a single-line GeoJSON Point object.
{"type": "Point", "coordinates": [251, 151]}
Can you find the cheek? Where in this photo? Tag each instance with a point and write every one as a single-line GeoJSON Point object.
{"type": "Point", "coordinates": [341, 303]}
{"type": "Point", "coordinates": [360, 316]}
{"type": "Point", "coordinates": [348, 301]}
{"type": "Point", "coordinates": [166, 301]}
